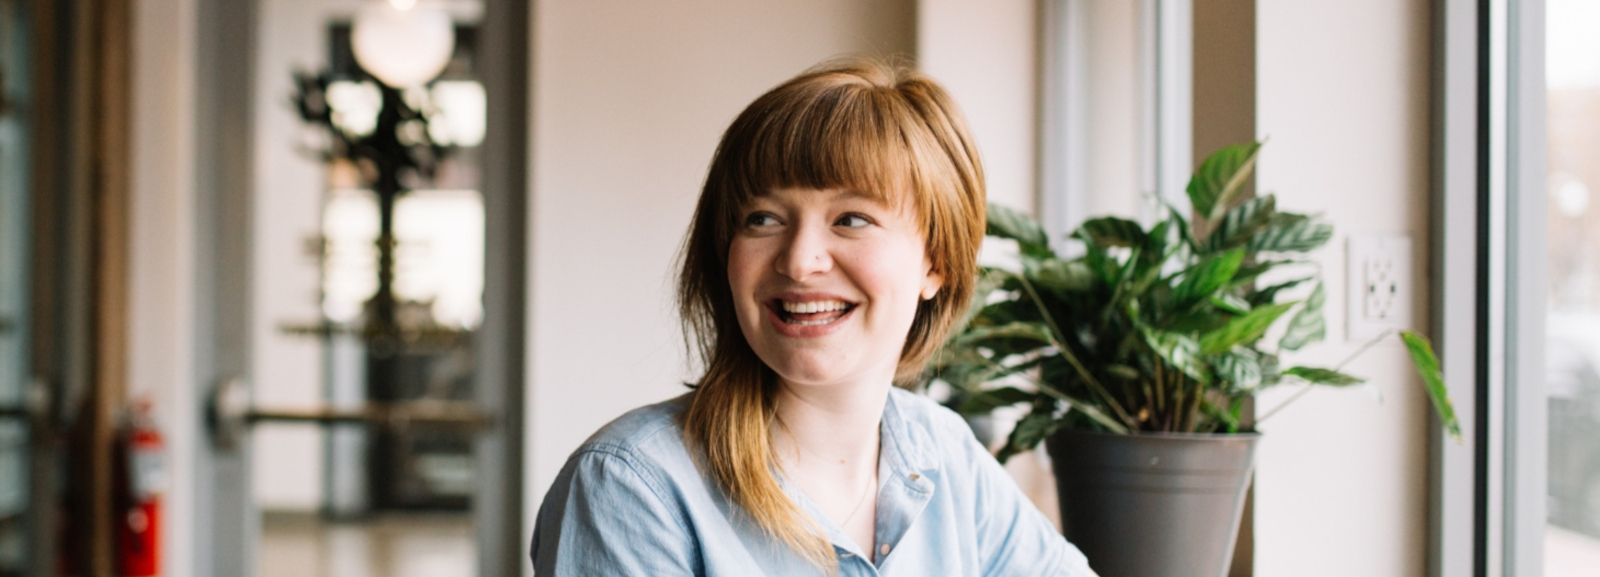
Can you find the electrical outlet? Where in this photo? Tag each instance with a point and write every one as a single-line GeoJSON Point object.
{"type": "Point", "coordinates": [1378, 285]}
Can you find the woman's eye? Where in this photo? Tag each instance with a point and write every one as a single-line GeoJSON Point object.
{"type": "Point", "coordinates": [760, 219]}
{"type": "Point", "coordinates": [853, 221]}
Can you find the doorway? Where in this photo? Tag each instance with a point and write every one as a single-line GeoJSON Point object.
{"type": "Point", "coordinates": [357, 341]}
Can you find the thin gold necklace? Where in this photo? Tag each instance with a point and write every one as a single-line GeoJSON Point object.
{"type": "Point", "coordinates": [871, 484]}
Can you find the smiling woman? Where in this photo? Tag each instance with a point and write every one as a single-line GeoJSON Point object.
{"type": "Point", "coordinates": [834, 242]}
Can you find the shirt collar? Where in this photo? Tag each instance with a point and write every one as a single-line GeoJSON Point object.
{"type": "Point", "coordinates": [908, 445]}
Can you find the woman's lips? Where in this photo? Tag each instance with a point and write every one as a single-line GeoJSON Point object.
{"type": "Point", "coordinates": [808, 318]}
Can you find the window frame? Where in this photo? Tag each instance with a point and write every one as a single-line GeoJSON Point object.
{"type": "Point", "coordinates": [1487, 506]}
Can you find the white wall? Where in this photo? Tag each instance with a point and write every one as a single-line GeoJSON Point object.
{"type": "Point", "coordinates": [629, 99]}
{"type": "Point", "coordinates": [985, 52]}
{"type": "Point", "coordinates": [161, 251]}
{"type": "Point", "coordinates": [286, 459]}
{"type": "Point", "coordinates": [1342, 89]}
{"type": "Point", "coordinates": [1115, 94]}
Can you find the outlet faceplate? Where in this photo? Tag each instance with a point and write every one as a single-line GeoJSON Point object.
{"type": "Point", "coordinates": [1378, 285]}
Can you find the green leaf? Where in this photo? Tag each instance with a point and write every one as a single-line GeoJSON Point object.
{"type": "Point", "coordinates": [983, 402]}
{"type": "Point", "coordinates": [1112, 231]}
{"type": "Point", "coordinates": [1015, 330]}
{"type": "Point", "coordinates": [989, 279]}
{"type": "Point", "coordinates": [1006, 311]}
{"type": "Point", "coordinates": [1100, 261]}
{"type": "Point", "coordinates": [1229, 417]}
{"type": "Point", "coordinates": [1094, 413]}
{"type": "Point", "coordinates": [1205, 279]}
{"type": "Point", "coordinates": [1199, 321]}
{"type": "Point", "coordinates": [1220, 178]}
{"type": "Point", "coordinates": [1006, 222]}
{"type": "Point", "coordinates": [1323, 376]}
{"type": "Point", "coordinates": [1067, 276]}
{"type": "Point", "coordinates": [1269, 294]}
{"type": "Point", "coordinates": [1231, 303]}
{"type": "Point", "coordinates": [1029, 432]}
{"type": "Point", "coordinates": [1132, 281]}
{"type": "Point", "coordinates": [1252, 270]}
{"type": "Point", "coordinates": [1242, 329]}
{"type": "Point", "coordinates": [1157, 241]}
{"type": "Point", "coordinates": [951, 355]}
{"type": "Point", "coordinates": [1184, 233]}
{"type": "Point", "coordinates": [1241, 224]}
{"type": "Point", "coordinates": [1291, 233]}
{"type": "Point", "coordinates": [1433, 380]}
{"type": "Point", "coordinates": [1179, 351]}
{"type": "Point", "coordinates": [1240, 367]}
{"type": "Point", "coordinates": [1308, 325]}
{"type": "Point", "coordinates": [1270, 375]}
{"type": "Point", "coordinates": [1123, 372]}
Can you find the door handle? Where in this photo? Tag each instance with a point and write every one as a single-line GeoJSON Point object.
{"type": "Point", "coordinates": [35, 407]}
{"type": "Point", "coordinates": [232, 414]}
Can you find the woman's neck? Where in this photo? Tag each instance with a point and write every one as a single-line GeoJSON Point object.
{"type": "Point", "coordinates": [834, 427]}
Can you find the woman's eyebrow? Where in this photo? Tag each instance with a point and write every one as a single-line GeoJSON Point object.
{"type": "Point", "coordinates": [848, 194]}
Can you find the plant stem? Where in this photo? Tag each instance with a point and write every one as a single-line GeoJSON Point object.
{"type": "Point", "coordinates": [1076, 405]}
{"type": "Point", "coordinates": [1175, 415]}
{"type": "Point", "coordinates": [1159, 398]}
{"type": "Point", "coordinates": [1309, 386]}
{"type": "Point", "coordinates": [1280, 406]}
{"type": "Point", "coordinates": [1363, 349]}
{"type": "Point", "coordinates": [1066, 353]}
{"type": "Point", "coordinates": [1193, 413]}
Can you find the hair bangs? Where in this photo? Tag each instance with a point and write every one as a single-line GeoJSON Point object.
{"type": "Point", "coordinates": [851, 136]}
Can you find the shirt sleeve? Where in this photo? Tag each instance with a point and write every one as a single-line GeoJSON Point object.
{"type": "Point", "coordinates": [604, 517]}
{"type": "Point", "coordinates": [1014, 537]}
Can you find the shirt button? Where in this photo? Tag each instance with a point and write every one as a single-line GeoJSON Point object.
{"type": "Point", "coordinates": [915, 476]}
{"type": "Point", "coordinates": [884, 550]}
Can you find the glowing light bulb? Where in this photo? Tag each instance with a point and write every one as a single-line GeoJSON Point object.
{"type": "Point", "coordinates": [403, 46]}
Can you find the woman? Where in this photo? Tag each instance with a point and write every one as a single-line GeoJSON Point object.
{"type": "Point", "coordinates": [834, 243]}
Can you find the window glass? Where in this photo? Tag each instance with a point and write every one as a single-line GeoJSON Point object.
{"type": "Point", "coordinates": [14, 230]}
{"type": "Point", "coordinates": [1572, 539]}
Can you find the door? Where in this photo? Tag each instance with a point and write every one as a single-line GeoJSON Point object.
{"type": "Point", "coordinates": [55, 441]}
{"type": "Point", "coordinates": [358, 320]}
{"type": "Point", "coordinates": [18, 533]}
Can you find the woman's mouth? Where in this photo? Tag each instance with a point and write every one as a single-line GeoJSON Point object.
{"type": "Point", "coordinates": [810, 313]}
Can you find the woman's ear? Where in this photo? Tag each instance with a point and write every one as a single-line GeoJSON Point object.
{"type": "Point", "coordinates": [931, 285]}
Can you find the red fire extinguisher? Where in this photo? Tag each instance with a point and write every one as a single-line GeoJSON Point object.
{"type": "Point", "coordinates": [139, 542]}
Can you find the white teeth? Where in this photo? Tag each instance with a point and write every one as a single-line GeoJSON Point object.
{"type": "Point", "coordinates": [813, 307]}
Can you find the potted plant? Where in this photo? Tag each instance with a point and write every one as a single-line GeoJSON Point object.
{"type": "Point", "coordinates": [1136, 356]}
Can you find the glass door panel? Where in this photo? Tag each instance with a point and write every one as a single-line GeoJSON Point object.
{"type": "Point", "coordinates": [368, 266]}
{"type": "Point", "coordinates": [15, 444]}
{"type": "Point", "coordinates": [1572, 538]}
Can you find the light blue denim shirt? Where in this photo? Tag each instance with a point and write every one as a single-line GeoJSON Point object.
{"type": "Point", "coordinates": [631, 501]}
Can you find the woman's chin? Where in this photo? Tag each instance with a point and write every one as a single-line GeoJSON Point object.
{"type": "Point", "coordinates": [808, 375]}
{"type": "Point", "coordinates": [817, 376]}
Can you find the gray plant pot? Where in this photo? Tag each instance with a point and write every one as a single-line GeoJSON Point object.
{"type": "Point", "coordinates": [1154, 504]}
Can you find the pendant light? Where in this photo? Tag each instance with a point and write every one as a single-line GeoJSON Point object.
{"type": "Point", "coordinates": [403, 43]}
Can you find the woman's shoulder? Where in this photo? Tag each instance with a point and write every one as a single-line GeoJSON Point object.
{"type": "Point", "coordinates": [640, 432]}
{"type": "Point", "coordinates": [642, 450]}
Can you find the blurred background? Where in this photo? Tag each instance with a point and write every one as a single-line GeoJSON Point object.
{"type": "Point", "coordinates": [303, 288]}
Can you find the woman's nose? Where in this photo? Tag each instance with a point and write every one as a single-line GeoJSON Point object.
{"type": "Point", "coordinates": [805, 253]}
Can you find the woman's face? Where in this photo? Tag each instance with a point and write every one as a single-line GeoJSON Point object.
{"type": "Point", "coordinates": [826, 284]}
